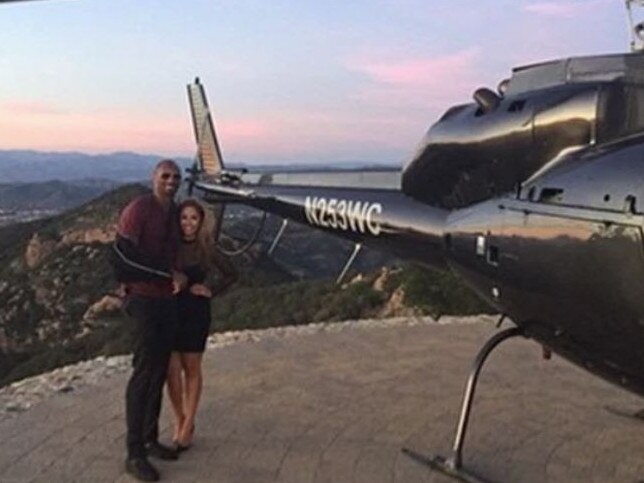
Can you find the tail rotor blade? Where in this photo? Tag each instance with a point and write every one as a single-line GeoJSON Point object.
{"type": "Point", "coordinates": [209, 158]}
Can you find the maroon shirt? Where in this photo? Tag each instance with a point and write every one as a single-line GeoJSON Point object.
{"type": "Point", "coordinates": [154, 231]}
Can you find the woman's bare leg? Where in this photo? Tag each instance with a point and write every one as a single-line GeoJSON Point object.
{"type": "Point", "coordinates": [191, 362]}
{"type": "Point", "coordinates": [175, 392]}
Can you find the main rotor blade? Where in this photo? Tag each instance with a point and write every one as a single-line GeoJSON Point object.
{"type": "Point", "coordinates": [14, 1]}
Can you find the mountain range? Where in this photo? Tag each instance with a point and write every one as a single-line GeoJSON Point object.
{"type": "Point", "coordinates": [39, 166]}
{"type": "Point", "coordinates": [53, 195]}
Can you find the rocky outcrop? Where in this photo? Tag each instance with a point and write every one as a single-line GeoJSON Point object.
{"type": "Point", "coordinates": [93, 235]}
{"type": "Point", "coordinates": [56, 275]}
{"type": "Point", "coordinates": [107, 305]}
{"type": "Point", "coordinates": [37, 250]}
{"type": "Point", "coordinates": [395, 306]}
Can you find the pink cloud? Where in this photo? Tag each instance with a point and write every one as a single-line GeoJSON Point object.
{"type": "Point", "coordinates": [564, 8]}
{"type": "Point", "coordinates": [392, 106]}
{"type": "Point", "coordinates": [30, 108]}
{"type": "Point", "coordinates": [242, 129]}
{"type": "Point", "coordinates": [416, 72]}
{"type": "Point", "coordinates": [286, 135]}
{"type": "Point", "coordinates": [297, 134]}
{"type": "Point", "coordinates": [34, 126]}
{"type": "Point", "coordinates": [430, 84]}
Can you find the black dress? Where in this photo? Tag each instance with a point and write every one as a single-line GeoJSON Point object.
{"type": "Point", "coordinates": [194, 314]}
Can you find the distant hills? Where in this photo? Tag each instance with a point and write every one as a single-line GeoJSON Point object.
{"type": "Point", "coordinates": [34, 184]}
{"type": "Point", "coordinates": [38, 166]}
{"type": "Point", "coordinates": [52, 195]}
{"type": "Point", "coordinates": [57, 181]}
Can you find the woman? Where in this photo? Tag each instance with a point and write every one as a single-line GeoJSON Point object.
{"type": "Point", "coordinates": [197, 258]}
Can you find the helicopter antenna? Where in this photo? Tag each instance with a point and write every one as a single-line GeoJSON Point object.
{"type": "Point", "coordinates": [636, 29]}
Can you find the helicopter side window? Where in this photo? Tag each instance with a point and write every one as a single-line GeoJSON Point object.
{"type": "Point", "coordinates": [516, 106]}
{"type": "Point", "coordinates": [493, 255]}
{"type": "Point", "coordinates": [551, 195]}
{"type": "Point", "coordinates": [532, 193]}
{"type": "Point", "coordinates": [630, 204]}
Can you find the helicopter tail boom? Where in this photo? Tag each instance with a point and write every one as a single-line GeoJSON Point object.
{"type": "Point", "coordinates": [381, 218]}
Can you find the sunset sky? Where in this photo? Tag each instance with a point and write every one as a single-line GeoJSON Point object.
{"type": "Point", "coordinates": [288, 80]}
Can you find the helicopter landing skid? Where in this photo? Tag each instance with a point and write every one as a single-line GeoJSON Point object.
{"type": "Point", "coordinates": [445, 466]}
{"type": "Point", "coordinates": [453, 466]}
{"type": "Point", "coordinates": [637, 415]}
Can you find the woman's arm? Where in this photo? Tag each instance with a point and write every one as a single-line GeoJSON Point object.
{"type": "Point", "coordinates": [227, 270]}
{"type": "Point", "coordinates": [216, 285]}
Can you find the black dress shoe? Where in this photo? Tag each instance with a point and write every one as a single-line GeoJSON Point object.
{"type": "Point", "coordinates": [160, 451]}
{"type": "Point", "coordinates": [141, 469]}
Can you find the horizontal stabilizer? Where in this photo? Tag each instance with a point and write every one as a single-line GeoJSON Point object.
{"type": "Point", "coordinates": [382, 178]}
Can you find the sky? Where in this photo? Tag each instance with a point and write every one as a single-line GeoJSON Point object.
{"type": "Point", "coordinates": [288, 81]}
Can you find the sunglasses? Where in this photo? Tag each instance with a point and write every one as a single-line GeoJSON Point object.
{"type": "Point", "coordinates": [174, 176]}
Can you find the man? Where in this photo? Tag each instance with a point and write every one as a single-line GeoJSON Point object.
{"type": "Point", "coordinates": [144, 255]}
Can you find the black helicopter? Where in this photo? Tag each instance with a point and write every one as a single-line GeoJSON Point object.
{"type": "Point", "coordinates": [533, 195]}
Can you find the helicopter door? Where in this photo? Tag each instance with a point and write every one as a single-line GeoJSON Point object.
{"type": "Point", "coordinates": [475, 250]}
{"type": "Point", "coordinates": [492, 257]}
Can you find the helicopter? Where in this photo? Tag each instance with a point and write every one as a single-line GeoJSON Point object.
{"type": "Point", "coordinates": [532, 194]}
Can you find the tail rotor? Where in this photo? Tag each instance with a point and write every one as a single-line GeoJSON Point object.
{"type": "Point", "coordinates": [209, 164]}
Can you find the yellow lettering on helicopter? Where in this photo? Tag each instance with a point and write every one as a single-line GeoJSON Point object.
{"type": "Point", "coordinates": [339, 214]}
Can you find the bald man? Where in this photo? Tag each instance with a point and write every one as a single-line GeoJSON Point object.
{"type": "Point", "coordinates": [145, 255]}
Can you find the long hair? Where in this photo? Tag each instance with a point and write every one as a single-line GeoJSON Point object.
{"type": "Point", "coordinates": [205, 240]}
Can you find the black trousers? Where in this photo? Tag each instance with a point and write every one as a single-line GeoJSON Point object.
{"type": "Point", "coordinates": [154, 325]}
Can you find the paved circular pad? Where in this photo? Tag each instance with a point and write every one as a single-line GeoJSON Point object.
{"type": "Point", "coordinates": [339, 406]}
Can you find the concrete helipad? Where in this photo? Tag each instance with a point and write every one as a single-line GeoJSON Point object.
{"type": "Point", "coordinates": [337, 407]}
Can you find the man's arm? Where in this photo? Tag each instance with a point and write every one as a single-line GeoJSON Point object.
{"type": "Point", "coordinates": [129, 261]}
{"type": "Point", "coordinates": [133, 265]}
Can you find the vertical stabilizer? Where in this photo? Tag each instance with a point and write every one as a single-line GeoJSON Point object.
{"type": "Point", "coordinates": [209, 157]}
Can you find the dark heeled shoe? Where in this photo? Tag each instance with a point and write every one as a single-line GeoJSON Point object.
{"type": "Point", "coordinates": [179, 447]}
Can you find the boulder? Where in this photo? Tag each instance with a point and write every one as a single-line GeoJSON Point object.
{"type": "Point", "coordinates": [108, 303]}
{"type": "Point", "coordinates": [395, 306]}
{"type": "Point", "coordinates": [92, 235]}
{"type": "Point", "coordinates": [37, 249]}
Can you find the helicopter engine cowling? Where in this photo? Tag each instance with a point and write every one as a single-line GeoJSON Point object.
{"type": "Point", "coordinates": [472, 153]}
{"type": "Point", "coordinates": [480, 150]}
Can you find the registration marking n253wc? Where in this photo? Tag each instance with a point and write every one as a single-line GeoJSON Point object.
{"type": "Point", "coordinates": [341, 214]}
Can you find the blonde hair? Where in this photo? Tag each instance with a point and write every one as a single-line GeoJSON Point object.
{"type": "Point", "coordinates": [205, 239]}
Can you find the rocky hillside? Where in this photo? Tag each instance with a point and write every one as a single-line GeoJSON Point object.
{"type": "Point", "coordinates": [57, 291]}
{"type": "Point", "coordinates": [53, 271]}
